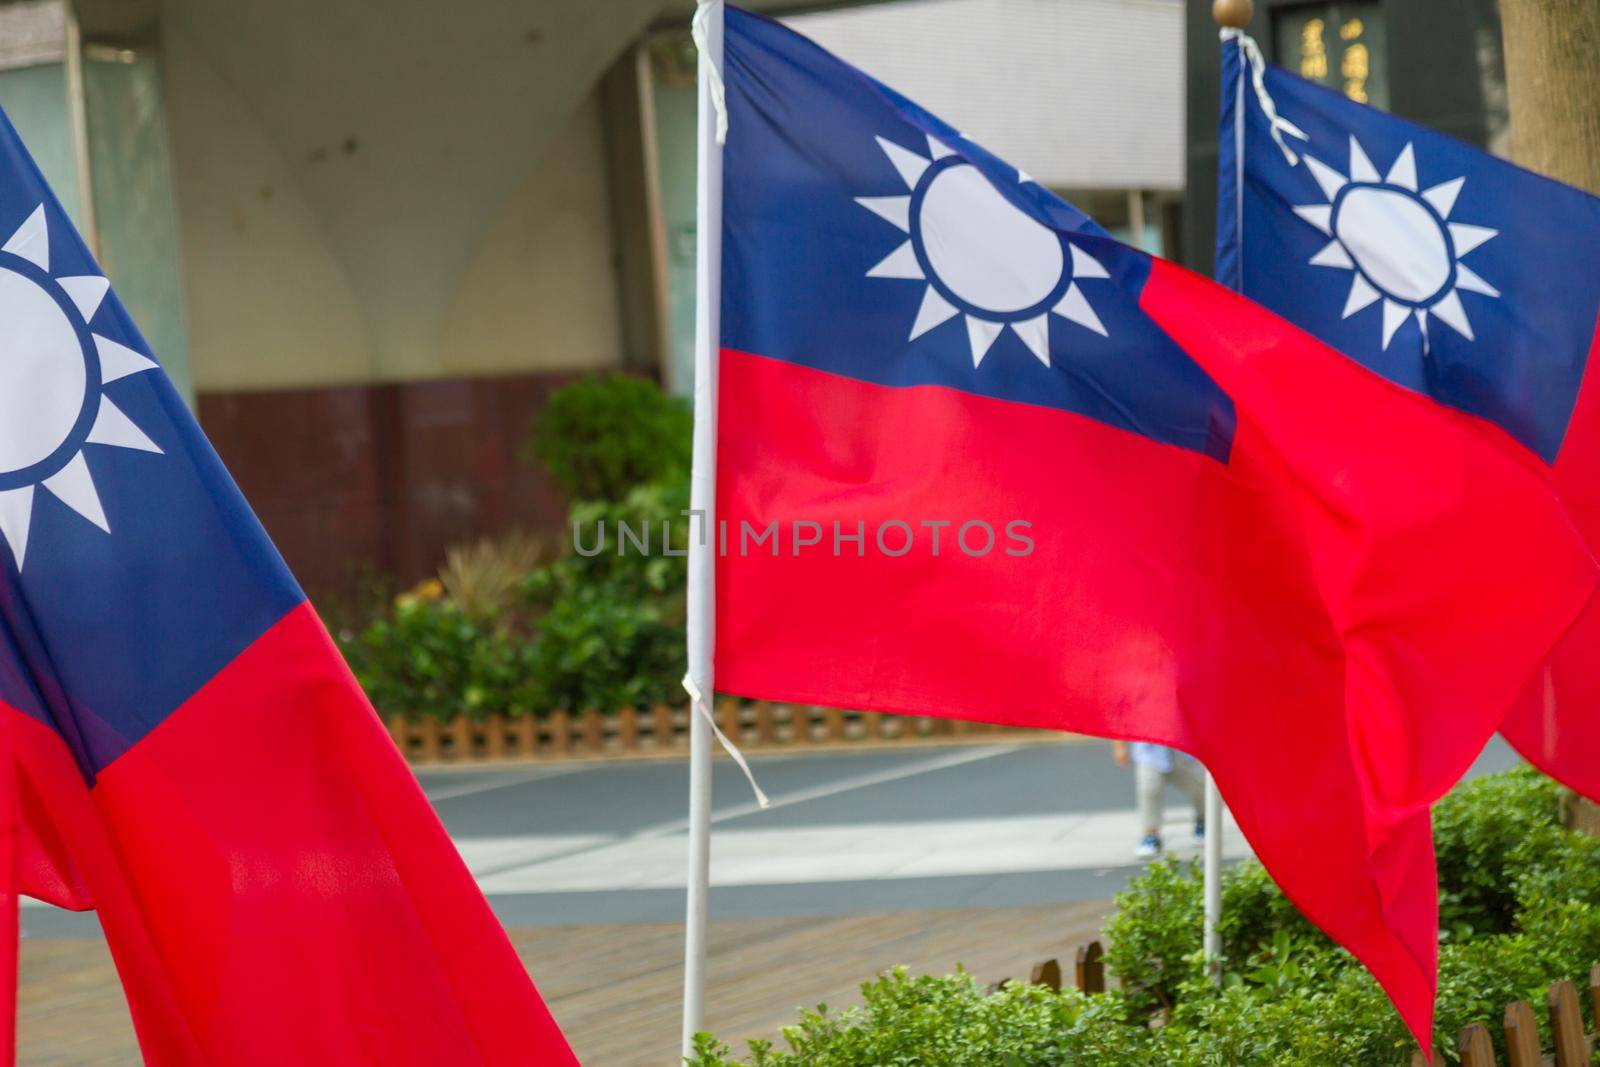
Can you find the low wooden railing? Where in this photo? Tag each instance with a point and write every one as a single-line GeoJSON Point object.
{"type": "Point", "coordinates": [1573, 1047]}
{"type": "Point", "coordinates": [1088, 971]}
{"type": "Point", "coordinates": [665, 730]}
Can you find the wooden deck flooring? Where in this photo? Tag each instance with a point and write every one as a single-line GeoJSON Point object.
{"type": "Point", "coordinates": [615, 989]}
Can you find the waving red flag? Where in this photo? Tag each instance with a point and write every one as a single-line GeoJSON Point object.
{"type": "Point", "coordinates": [185, 750]}
{"type": "Point", "coordinates": [1473, 283]}
{"type": "Point", "coordinates": [976, 459]}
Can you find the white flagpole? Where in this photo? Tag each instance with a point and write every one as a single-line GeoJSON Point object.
{"type": "Point", "coordinates": [1233, 16]}
{"type": "Point", "coordinates": [1213, 879]}
{"type": "Point", "coordinates": [702, 502]}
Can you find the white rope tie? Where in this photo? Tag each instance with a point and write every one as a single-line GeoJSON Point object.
{"type": "Point", "coordinates": [719, 97]}
{"type": "Point", "coordinates": [1258, 77]}
{"type": "Point", "coordinates": [702, 705]}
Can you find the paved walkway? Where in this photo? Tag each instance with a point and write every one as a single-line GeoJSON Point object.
{"type": "Point", "coordinates": [864, 851]}
{"type": "Point", "coordinates": [615, 988]}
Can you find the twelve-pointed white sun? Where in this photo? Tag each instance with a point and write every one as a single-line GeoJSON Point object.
{"type": "Point", "coordinates": [981, 255]}
{"type": "Point", "coordinates": [52, 372]}
{"type": "Point", "coordinates": [1399, 242]}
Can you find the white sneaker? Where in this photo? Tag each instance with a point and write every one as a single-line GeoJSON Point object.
{"type": "Point", "coordinates": [1149, 847]}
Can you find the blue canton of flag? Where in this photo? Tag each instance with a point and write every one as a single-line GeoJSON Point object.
{"type": "Point", "coordinates": [1435, 264]}
{"type": "Point", "coordinates": [969, 279]}
{"type": "Point", "coordinates": [130, 566]}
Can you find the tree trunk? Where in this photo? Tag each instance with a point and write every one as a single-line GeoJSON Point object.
{"type": "Point", "coordinates": [1553, 81]}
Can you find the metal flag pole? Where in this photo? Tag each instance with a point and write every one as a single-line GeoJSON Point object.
{"type": "Point", "coordinates": [1230, 15]}
{"type": "Point", "coordinates": [1213, 880]}
{"type": "Point", "coordinates": [702, 502]}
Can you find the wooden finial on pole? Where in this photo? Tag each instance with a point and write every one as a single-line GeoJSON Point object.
{"type": "Point", "coordinates": [1234, 14]}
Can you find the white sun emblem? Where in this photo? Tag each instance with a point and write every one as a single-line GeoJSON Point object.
{"type": "Point", "coordinates": [52, 373]}
{"type": "Point", "coordinates": [982, 256]}
{"type": "Point", "coordinates": [1399, 242]}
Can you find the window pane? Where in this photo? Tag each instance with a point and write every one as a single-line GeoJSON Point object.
{"type": "Point", "coordinates": [133, 201]}
{"type": "Point", "coordinates": [36, 100]}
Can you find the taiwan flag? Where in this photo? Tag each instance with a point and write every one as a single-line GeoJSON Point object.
{"type": "Point", "coordinates": [1457, 275]}
{"type": "Point", "coordinates": [976, 459]}
{"type": "Point", "coordinates": [184, 749]}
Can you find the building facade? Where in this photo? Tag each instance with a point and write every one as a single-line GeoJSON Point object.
{"type": "Point", "coordinates": [365, 248]}
{"type": "Point", "coordinates": [368, 249]}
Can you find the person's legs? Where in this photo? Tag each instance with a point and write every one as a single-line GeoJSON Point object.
{"type": "Point", "coordinates": [1149, 784]}
{"type": "Point", "coordinates": [1190, 778]}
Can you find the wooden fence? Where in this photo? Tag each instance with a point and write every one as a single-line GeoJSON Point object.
{"type": "Point", "coordinates": [1088, 971]}
{"type": "Point", "coordinates": [663, 730]}
{"type": "Point", "coordinates": [1573, 1047]}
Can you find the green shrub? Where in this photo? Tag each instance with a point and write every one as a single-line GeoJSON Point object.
{"type": "Point", "coordinates": [600, 437]}
{"type": "Point", "coordinates": [948, 1022]}
{"type": "Point", "coordinates": [1155, 937]}
{"type": "Point", "coordinates": [612, 630]}
{"type": "Point", "coordinates": [1331, 1014]}
{"type": "Point", "coordinates": [1254, 915]}
{"type": "Point", "coordinates": [1486, 832]}
{"type": "Point", "coordinates": [596, 648]}
{"type": "Point", "coordinates": [616, 562]}
{"type": "Point", "coordinates": [502, 630]}
{"type": "Point", "coordinates": [431, 658]}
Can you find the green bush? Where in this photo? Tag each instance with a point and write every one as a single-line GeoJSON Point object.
{"type": "Point", "coordinates": [1257, 917]}
{"type": "Point", "coordinates": [612, 630]}
{"type": "Point", "coordinates": [948, 1022]}
{"type": "Point", "coordinates": [1521, 889]}
{"type": "Point", "coordinates": [502, 629]}
{"type": "Point", "coordinates": [429, 657]}
{"type": "Point", "coordinates": [615, 561]}
{"type": "Point", "coordinates": [1482, 833]}
{"type": "Point", "coordinates": [603, 631]}
{"type": "Point", "coordinates": [600, 437]}
{"type": "Point", "coordinates": [1155, 937]}
{"type": "Point", "coordinates": [597, 649]}
{"type": "Point", "coordinates": [1155, 933]}
{"type": "Point", "coordinates": [1329, 1013]}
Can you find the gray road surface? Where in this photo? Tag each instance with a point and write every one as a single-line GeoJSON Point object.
{"type": "Point", "coordinates": [848, 832]}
